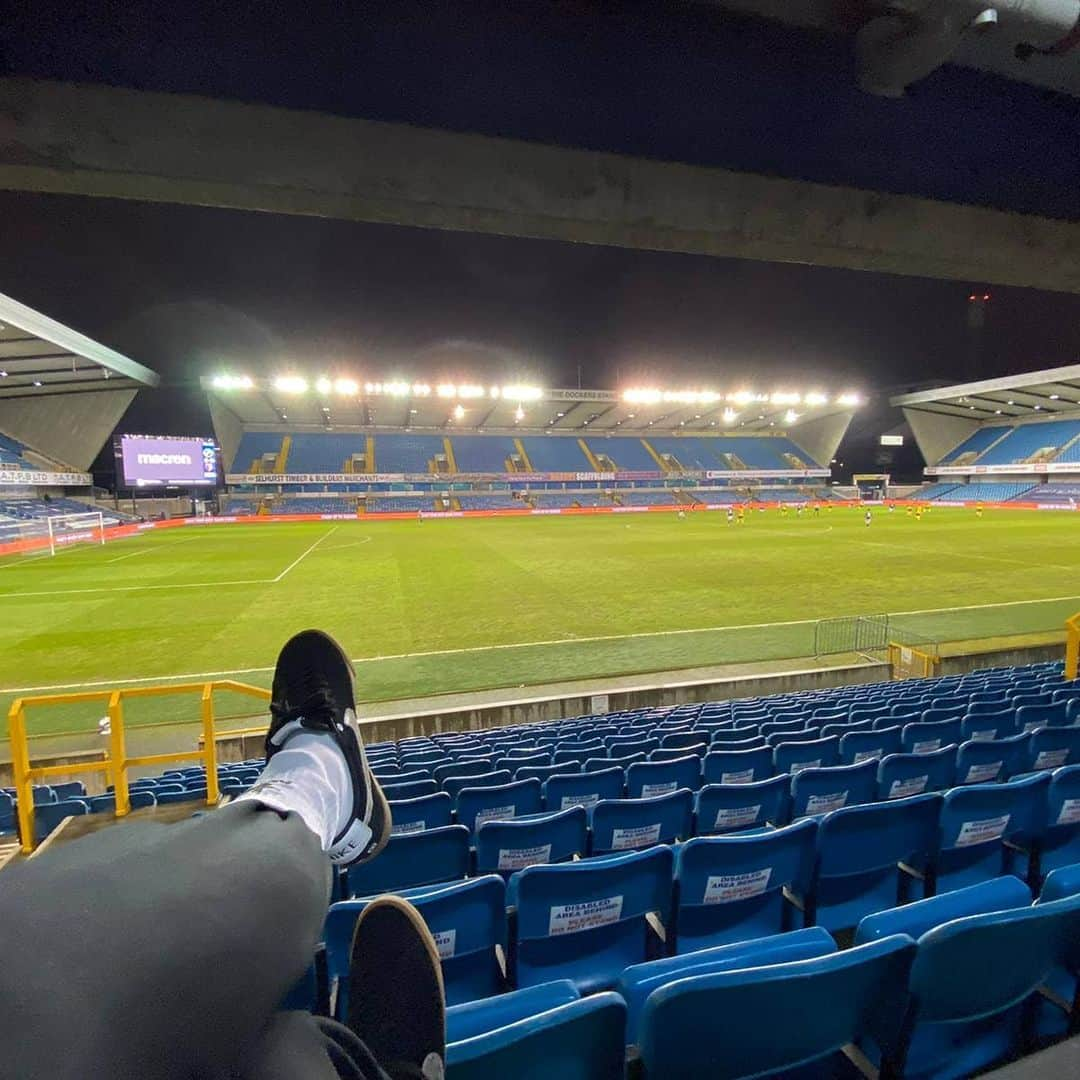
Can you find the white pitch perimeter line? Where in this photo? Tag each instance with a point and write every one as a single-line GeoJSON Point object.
{"type": "Point", "coordinates": [307, 551]}
{"type": "Point", "coordinates": [180, 585]}
{"type": "Point", "coordinates": [519, 645]}
{"type": "Point", "coordinates": [130, 555]}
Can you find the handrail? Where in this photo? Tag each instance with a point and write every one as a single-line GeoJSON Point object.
{"type": "Point", "coordinates": [1072, 647]}
{"type": "Point", "coordinates": [116, 763]}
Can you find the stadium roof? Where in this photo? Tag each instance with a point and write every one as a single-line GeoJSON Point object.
{"type": "Point", "coordinates": [1015, 397]}
{"type": "Point", "coordinates": [39, 356]}
{"type": "Point", "coordinates": [405, 406]}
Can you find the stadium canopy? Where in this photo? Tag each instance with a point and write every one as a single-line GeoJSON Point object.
{"type": "Point", "coordinates": [325, 403]}
{"type": "Point", "coordinates": [1037, 394]}
{"type": "Point", "coordinates": [39, 357]}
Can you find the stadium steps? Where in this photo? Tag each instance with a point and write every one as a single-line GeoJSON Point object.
{"type": "Point", "coordinates": [794, 461]}
{"type": "Point", "coordinates": [1060, 455]}
{"type": "Point", "coordinates": [593, 463]}
{"type": "Point", "coordinates": [448, 448]}
{"type": "Point", "coordinates": [283, 454]}
{"type": "Point", "coordinates": [654, 455]}
{"type": "Point", "coordinates": [733, 461]}
{"type": "Point", "coordinates": [369, 459]}
{"type": "Point", "coordinates": [986, 450]}
{"type": "Point", "coordinates": [606, 463]}
{"type": "Point", "coordinates": [524, 456]}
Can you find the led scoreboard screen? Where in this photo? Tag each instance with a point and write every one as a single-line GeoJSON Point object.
{"type": "Point", "coordinates": [165, 461]}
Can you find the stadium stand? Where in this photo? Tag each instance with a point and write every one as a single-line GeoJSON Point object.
{"type": "Point", "coordinates": [255, 448]}
{"type": "Point", "coordinates": [1031, 442]}
{"type": "Point", "coordinates": [624, 453]}
{"type": "Point", "coordinates": [974, 445]}
{"type": "Point", "coordinates": [988, 491]}
{"type": "Point", "coordinates": [1055, 493]}
{"type": "Point", "coordinates": [658, 895]}
{"type": "Point", "coordinates": [407, 453]}
{"type": "Point", "coordinates": [483, 453]}
{"type": "Point", "coordinates": [555, 454]}
{"type": "Point", "coordinates": [502, 501]}
{"type": "Point", "coordinates": [11, 453]}
{"type": "Point", "coordinates": [937, 491]}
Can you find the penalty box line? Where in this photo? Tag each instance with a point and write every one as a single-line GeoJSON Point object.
{"type": "Point", "coordinates": [508, 646]}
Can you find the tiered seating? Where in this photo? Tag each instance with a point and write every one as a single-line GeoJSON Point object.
{"type": "Point", "coordinates": [555, 454]}
{"type": "Point", "coordinates": [399, 504]}
{"type": "Point", "coordinates": [936, 491]}
{"type": "Point", "coordinates": [406, 453]}
{"type": "Point", "coordinates": [1056, 493]}
{"type": "Point", "coordinates": [11, 453]}
{"type": "Point", "coordinates": [989, 491]}
{"type": "Point", "coordinates": [1026, 440]}
{"type": "Point", "coordinates": [501, 501]}
{"type": "Point", "coordinates": [551, 500]}
{"type": "Point", "coordinates": [975, 444]}
{"type": "Point", "coordinates": [328, 505]}
{"type": "Point", "coordinates": [323, 453]}
{"type": "Point", "coordinates": [627, 454]}
{"type": "Point", "coordinates": [646, 498]}
{"type": "Point", "coordinates": [482, 453]}
{"type": "Point", "coordinates": [254, 445]}
{"type": "Point", "coordinates": [39, 509]}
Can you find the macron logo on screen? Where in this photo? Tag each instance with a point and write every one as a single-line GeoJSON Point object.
{"type": "Point", "coordinates": [164, 459]}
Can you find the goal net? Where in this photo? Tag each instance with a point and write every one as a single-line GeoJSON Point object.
{"type": "Point", "coordinates": [51, 534]}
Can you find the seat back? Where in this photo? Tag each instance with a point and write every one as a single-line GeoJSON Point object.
{"type": "Point", "coordinates": [975, 820]}
{"type": "Point", "coordinates": [730, 888]}
{"type": "Point", "coordinates": [737, 766]}
{"type": "Point", "coordinates": [426, 812]}
{"type": "Point", "coordinates": [672, 753]}
{"type": "Point", "coordinates": [791, 757]}
{"type": "Point", "coordinates": [858, 852]}
{"type": "Point", "coordinates": [586, 921]}
{"type": "Point", "coordinates": [825, 1003]}
{"type": "Point", "coordinates": [1032, 717]}
{"type": "Point", "coordinates": [424, 858]}
{"type": "Point", "coordinates": [462, 767]}
{"type": "Point", "coordinates": [630, 824]}
{"type": "Point", "coordinates": [819, 791]}
{"type": "Point", "coordinates": [544, 772]}
{"type": "Point", "coordinates": [502, 802]}
{"type": "Point", "coordinates": [414, 789]}
{"type": "Point", "coordinates": [1060, 842]}
{"type": "Point", "coordinates": [47, 816]}
{"type": "Point", "coordinates": [648, 779]}
{"type": "Point", "coordinates": [679, 739]}
{"type": "Point", "coordinates": [1052, 747]}
{"type": "Point", "coordinates": [984, 761]}
{"type": "Point", "coordinates": [995, 725]}
{"type": "Point", "coordinates": [902, 775]}
{"type": "Point", "coordinates": [925, 738]}
{"type": "Point", "coordinates": [583, 789]}
{"type": "Point", "coordinates": [859, 746]}
{"type": "Point", "coordinates": [582, 1040]}
{"type": "Point", "coordinates": [454, 785]}
{"type": "Point", "coordinates": [505, 847]}
{"type": "Point", "coordinates": [725, 808]}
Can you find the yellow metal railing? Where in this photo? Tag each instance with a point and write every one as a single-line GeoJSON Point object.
{"type": "Point", "coordinates": [116, 763]}
{"type": "Point", "coordinates": [908, 662]}
{"type": "Point", "coordinates": [1072, 647]}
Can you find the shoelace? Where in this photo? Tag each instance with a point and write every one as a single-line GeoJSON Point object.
{"type": "Point", "coordinates": [317, 705]}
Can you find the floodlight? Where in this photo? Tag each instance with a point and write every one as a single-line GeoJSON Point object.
{"type": "Point", "coordinates": [291, 384]}
{"type": "Point", "coordinates": [347, 387]}
{"type": "Point", "coordinates": [323, 385]}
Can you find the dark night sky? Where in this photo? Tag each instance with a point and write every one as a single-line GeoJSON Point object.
{"type": "Point", "coordinates": [186, 290]}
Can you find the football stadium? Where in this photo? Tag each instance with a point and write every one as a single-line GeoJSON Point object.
{"type": "Point", "coordinates": [558, 560]}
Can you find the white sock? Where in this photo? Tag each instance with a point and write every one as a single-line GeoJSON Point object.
{"type": "Point", "coordinates": [309, 777]}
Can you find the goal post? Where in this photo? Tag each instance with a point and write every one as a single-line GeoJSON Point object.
{"type": "Point", "coordinates": [67, 529]}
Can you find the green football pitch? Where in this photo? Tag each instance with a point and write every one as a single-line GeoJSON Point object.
{"type": "Point", "coordinates": [455, 605]}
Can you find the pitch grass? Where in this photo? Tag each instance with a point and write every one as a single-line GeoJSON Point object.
{"type": "Point", "coordinates": [222, 599]}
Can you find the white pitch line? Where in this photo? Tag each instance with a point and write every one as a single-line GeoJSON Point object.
{"type": "Point", "coordinates": [521, 645]}
{"type": "Point", "coordinates": [130, 555]}
{"type": "Point", "coordinates": [307, 551]}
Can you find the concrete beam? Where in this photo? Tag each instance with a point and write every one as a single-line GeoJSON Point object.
{"type": "Point", "coordinates": [94, 140]}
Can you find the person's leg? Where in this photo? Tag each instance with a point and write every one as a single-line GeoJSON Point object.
{"type": "Point", "coordinates": [157, 950]}
{"type": "Point", "coordinates": [163, 950]}
{"type": "Point", "coordinates": [298, 1046]}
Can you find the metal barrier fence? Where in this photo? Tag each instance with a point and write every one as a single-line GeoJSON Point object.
{"type": "Point", "coordinates": [854, 634]}
{"type": "Point", "coordinates": [116, 763]}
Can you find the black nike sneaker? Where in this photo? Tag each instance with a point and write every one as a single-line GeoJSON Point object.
{"type": "Point", "coordinates": [314, 690]}
{"type": "Point", "coordinates": [397, 1002]}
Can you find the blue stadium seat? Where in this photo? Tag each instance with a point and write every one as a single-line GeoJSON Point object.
{"type": "Point", "coordinates": [980, 824]}
{"type": "Point", "coordinates": [902, 775]}
{"type": "Point", "coordinates": [737, 766]}
{"type": "Point", "coordinates": [463, 767]}
{"type": "Point", "coordinates": [544, 772]}
{"type": "Point", "coordinates": [969, 984]}
{"type": "Point", "coordinates": [472, 1018]}
{"type": "Point", "coordinates": [731, 888]}
{"type": "Point", "coordinates": [47, 816]}
{"type": "Point", "coordinates": [680, 739]}
{"type": "Point", "coordinates": [505, 847]}
{"type": "Point", "coordinates": [583, 789]}
{"type": "Point", "coordinates": [595, 764]}
{"type": "Point", "coordinates": [790, 757]}
{"type": "Point", "coordinates": [415, 789]}
{"type": "Point", "coordinates": [426, 812]}
{"type": "Point", "coordinates": [164, 798]}
{"type": "Point", "coordinates": [984, 761]}
{"type": "Point", "coordinates": [587, 921]}
{"type": "Point", "coordinates": [825, 1004]}
{"type": "Point", "coordinates": [502, 802]}
{"type": "Point", "coordinates": [639, 980]}
{"type": "Point", "coordinates": [672, 754]}
{"type": "Point", "coordinates": [514, 762]}
{"type": "Point", "coordinates": [859, 852]}
{"type": "Point", "coordinates": [980, 726]}
{"type": "Point", "coordinates": [454, 785]}
{"type": "Point", "coordinates": [915, 919]}
{"type": "Point", "coordinates": [1059, 845]}
{"type": "Point", "coordinates": [631, 824]}
{"type": "Point", "coordinates": [583, 1040]}
{"type": "Point", "coordinates": [923, 738]}
{"type": "Point", "coordinates": [1065, 881]}
{"type": "Point", "coordinates": [75, 789]}
{"type": "Point", "coordinates": [649, 779]}
{"type": "Point", "coordinates": [1052, 747]}
{"type": "Point", "coordinates": [820, 791]}
{"type": "Point", "coordinates": [638, 745]}
{"type": "Point", "coordinates": [725, 808]}
{"type": "Point", "coordinates": [424, 858]}
{"type": "Point", "coordinates": [1032, 717]}
{"type": "Point", "coordinates": [859, 746]}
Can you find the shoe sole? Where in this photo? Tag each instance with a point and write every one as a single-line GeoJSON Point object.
{"type": "Point", "coordinates": [417, 929]}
